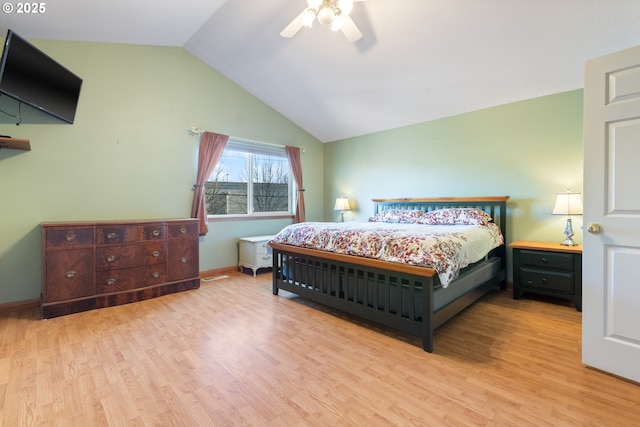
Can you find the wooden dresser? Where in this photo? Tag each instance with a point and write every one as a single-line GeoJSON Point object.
{"type": "Point", "coordinates": [88, 265]}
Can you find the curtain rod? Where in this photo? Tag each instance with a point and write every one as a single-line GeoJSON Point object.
{"type": "Point", "coordinates": [195, 131]}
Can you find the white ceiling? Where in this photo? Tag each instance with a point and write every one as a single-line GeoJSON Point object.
{"type": "Point", "coordinates": [419, 60]}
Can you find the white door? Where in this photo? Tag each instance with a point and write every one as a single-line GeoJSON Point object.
{"type": "Point", "coordinates": [611, 257]}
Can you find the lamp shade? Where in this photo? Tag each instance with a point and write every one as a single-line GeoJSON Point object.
{"type": "Point", "coordinates": [568, 204]}
{"type": "Point", "coordinates": [342, 204]}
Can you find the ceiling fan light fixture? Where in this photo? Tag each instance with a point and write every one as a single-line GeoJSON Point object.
{"type": "Point", "coordinates": [308, 17]}
{"type": "Point", "coordinates": [337, 23]}
{"type": "Point", "coordinates": [334, 13]}
{"type": "Point", "coordinates": [326, 16]}
{"type": "Point", "coordinates": [345, 6]}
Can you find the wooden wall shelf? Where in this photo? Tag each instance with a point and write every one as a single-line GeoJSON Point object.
{"type": "Point", "coordinates": [15, 143]}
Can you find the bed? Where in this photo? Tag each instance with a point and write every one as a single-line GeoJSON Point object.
{"type": "Point", "coordinates": [406, 297]}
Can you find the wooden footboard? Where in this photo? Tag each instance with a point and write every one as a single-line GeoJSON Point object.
{"type": "Point", "coordinates": [396, 295]}
{"type": "Point", "coordinates": [397, 299]}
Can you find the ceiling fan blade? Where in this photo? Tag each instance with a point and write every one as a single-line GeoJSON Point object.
{"type": "Point", "coordinates": [294, 26]}
{"type": "Point", "coordinates": [350, 30]}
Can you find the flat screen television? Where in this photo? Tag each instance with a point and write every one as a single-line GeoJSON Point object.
{"type": "Point", "coordinates": [29, 77]}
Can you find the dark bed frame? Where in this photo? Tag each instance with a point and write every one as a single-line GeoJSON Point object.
{"type": "Point", "coordinates": [368, 288]}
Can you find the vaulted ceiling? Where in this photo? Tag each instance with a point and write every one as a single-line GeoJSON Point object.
{"type": "Point", "coordinates": [418, 60]}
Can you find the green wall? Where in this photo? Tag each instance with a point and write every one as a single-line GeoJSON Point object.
{"type": "Point", "coordinates": [528, 150]}
{"type": "Point", "coordinates": [129, 155]}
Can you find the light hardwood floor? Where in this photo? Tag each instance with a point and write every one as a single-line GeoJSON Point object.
{"type": "Point", "coordinates": [231, 353]}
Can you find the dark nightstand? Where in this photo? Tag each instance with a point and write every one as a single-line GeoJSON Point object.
{"type": "Point", "coordinates": [548, 269]}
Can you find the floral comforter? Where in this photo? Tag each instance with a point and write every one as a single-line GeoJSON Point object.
{"type": "Point", "coordinates": [445, 248]}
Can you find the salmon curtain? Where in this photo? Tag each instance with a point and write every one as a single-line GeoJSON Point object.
{"type": "Point", "coordinates": [211, 148]}
{"type": "Point", "coordinates": [293, 154]}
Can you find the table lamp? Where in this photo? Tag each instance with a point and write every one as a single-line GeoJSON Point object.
{"type": "Point", "coordinates": [568, 203]}
{"type": "Point", "coordinates": [342, 204]}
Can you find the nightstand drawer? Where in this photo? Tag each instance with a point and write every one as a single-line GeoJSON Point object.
{"type": "Point", "coordinates": [545, 280]}
{"type": "Point", "coordinates": [545, 260]}
{"type": "Point", "coordinates": [264, 246]}
{"type": "Point", "coordinates": [265, 260]}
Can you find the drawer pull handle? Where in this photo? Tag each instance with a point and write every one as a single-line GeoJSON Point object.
{"type": "Point", "coordinates": [183, 259]}
{"type": "Point", "coordinates": [156, 254]}
{"type": "Point", "coordinates": [155, 275]}
{"type": "Point", "coordinates": [544, 260]}
{"type": "Point", "coordinates": [111, 258]}
{"type": "Point", "coordinates": [545, 280]}
{"type": "Point", "coordinates": [71, 274]}
{"type": "Point", "coordinates": [70, 237]}
{"type": "Point", "coordinates": [111, 282]}
{"type": "Point", "coordinates": [183, 230]}
{"type": "Point", "coordinates": [112, 236]}
{"type": "Point", "coordinates": [155, 233]}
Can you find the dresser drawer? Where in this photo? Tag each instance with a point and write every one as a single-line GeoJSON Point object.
{"type": "Point", "coordinates": [156, 231]}
{"type": "Point", "coordinates": [545, 280]}
{"type": "Point", "coordinates": [152, 253]}
{"type": "Point", "coordinates": [118, 234]}
{"type": "Point", "coordinates": [69, 274]}
{"type": "Point", "coordinates": [152, 275]}
{"type": "Point", "coordinates": [116, 257]}
{"type": "Point", "coordinates": [546, 260]}
{"type": "Point", "coordinates": [183, 230]}
{"type": "Point", "coordinates": [130, 278]}
{"type": "Point", "coordinates": [183, 259]}
{"type": "Point", "coordinates": [115, 280]}
{"type": "Point", "coordinates": [69, 237]}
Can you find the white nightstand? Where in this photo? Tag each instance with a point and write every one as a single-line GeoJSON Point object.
{"type": "Point", "coordinates": [254, 252]}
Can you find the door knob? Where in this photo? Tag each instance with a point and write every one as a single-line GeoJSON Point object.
{"type": "Point", "coordinates": [594, 228]}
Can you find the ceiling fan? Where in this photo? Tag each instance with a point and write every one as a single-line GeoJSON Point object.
{"type": "Point", "coordinates": [329, 12]}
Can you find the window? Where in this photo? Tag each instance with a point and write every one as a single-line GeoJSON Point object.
{"type": "Point", "coordinates": [250, 179]}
